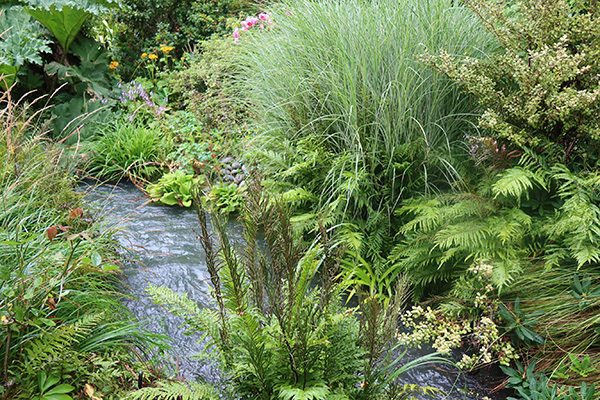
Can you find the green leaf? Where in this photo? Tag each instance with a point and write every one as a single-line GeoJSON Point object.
{"type": "Point", "coordinates": [60, 389]}
{"type": "Point", "coordinates": [8, 76]}
{"type": "Point", "coordinates": [96, 259]}
{"type": "Point", "coordinates": [64, 23]}
{"type": "Point", "coordinates": [57, 396]}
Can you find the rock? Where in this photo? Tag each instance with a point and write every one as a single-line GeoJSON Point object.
{"type": "Point", "coordinates": [227, 160]}
{"type": "Point", "coordinates": [238, 179]}
{"type": "Point", "coordinates": [245, 169]}
{"type": "Point", "coordinates": [228, 178]}
{"type": "Point", "coordinates": [234, 171]}
{"type": "Point", "coordinates": [235, 165]}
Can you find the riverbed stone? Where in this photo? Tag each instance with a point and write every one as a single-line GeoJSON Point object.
{"type": "Point", "coordinates": [228, 178]}
{"type": "Point", "coordinates": [227, 160]}
{"type": "Point", "coordinates": [238, 179]}
{"type": "Point", "coordinates": [235, 165]}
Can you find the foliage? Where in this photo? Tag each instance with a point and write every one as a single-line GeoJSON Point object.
{"type": "Point", "coordinates": [21, 41]}
{"type": "Point", "coordinates": [127, 149]}
{"type": "Point", "coordinates": [471, 325]}
{"type": "Point", "coordinates": [175, 188]}
{"type": "Point", "coordinates": [567, 323]}
{"type": "Point", "coordinates": [532, 385]}
{"type": "Point", "coordinates": [181, 24]}
{"type": "Point", "coordinates": [141, 104]}
{"type": "Point", "coordinates": [205, 89]}
{"type": "Point", "coordinates": [174, 391]}
{"type": "Point", "coordinates": [349, 116]}
{"type": "Point", "coordinates": [274, 333]}
{"type": "Point", "coordinates": [521, 324]}
{"type": "Point", "coordinates": [542, 90]}
{"type": "Point", "coordinates": [62, 324]}
{"type": "Point", "coordinates": [225, 198]}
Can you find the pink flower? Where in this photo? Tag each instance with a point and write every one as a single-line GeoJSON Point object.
{"type": "Point", "coordinates": [263, 17]}
{"type": "Point", "coordinates": [245, 25]}
{"type": "Point", "coordinates": [236, 33]}
{"type": "Point", "coordinates": [252, 21]}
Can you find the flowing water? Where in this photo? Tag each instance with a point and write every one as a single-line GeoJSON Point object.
{"type": "Point", "coordinates": [167, 252]}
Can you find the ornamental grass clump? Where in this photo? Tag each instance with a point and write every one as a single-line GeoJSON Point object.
{"type": "Point", "coordinates": [349, 121]}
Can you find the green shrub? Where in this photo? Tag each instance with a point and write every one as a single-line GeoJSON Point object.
{"type": "Point", "coordinates": [204, 88]}
{"type": "Point", "coordinates": [349, 122]}
{"type": "Point", "coordinates": [144, 24]}
{"type": "Point", "coordinates": [541, 92]}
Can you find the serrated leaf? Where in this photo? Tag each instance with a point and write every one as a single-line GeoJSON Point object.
{"type": "Point", "coordinates": [64, 22]}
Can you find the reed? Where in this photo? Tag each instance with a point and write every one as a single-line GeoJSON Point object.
{"type": "Point", "coordinates": [346, 112]}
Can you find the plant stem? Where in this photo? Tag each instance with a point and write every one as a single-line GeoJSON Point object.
{"type": "Point", "coordinates": [5, 366]}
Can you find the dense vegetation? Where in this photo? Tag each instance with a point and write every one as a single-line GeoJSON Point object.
{"type": "Point", "coordinates": [432, 150]}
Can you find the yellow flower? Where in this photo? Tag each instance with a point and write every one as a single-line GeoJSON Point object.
{"type": "Point", "coordinates": [113, 64]}
{"type": "Point", "coordinates": [4, 320]}
{"type": "Point", "coordinates": [153, 56]}
{"type": "Point", "coordinates": [144, 55]}
{"type": "Point", "coordinates": [166, 49]}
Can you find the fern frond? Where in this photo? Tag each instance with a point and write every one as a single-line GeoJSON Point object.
{"type": "Point", "coordinates": [511, 226]}
{"type": "Point", "coordinates": [179, 305]}
{"type": "Point", "coordinates": [517, 181]}
{"type": "Point", "coordinates": [468, 235]}
{"type": "Point", "coordinates": [58, 341]}
{"type": "Point", "coordinates": [316, 392]}
{"type": "Point", "coordinates": [174, 391]}
{"type": "Point", "coordinates": [297, 195]}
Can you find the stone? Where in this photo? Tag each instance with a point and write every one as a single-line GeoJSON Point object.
{"type": "Point", "coordinates": [236, 165]}
{"type": "Point", "coordinates": [238, 179]}
{"type": "Point", "coordinates": [228, 178]}
{"type": "Point", "coordinates": [227, 160]}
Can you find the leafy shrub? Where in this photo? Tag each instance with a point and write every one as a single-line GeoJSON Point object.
{"type": "Point", "coordinates": [126, 149]}
{"type": "Point", "coordinates": [72, 57]}
{"type": "Point", "coordinates": [349, 122]}
{"type": "Point", "coordinates": [205, 89]}
{"type": "Point", "coordinates": [182, 24]}
{"type": "Point", "coordinates": [542, 91]}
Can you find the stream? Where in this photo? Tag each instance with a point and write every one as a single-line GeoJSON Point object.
{"type": "Point", "coordinates": [165, 250]}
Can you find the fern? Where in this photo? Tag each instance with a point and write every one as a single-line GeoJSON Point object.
{"type": "Point", "coordinates": [517, 181]}
{"type": "Point", "coordinates": [179, 305]}
{"type": "Point", "coordinates": [58, 341]}
{"type": "Point", "coordinates": [174, 391]}
{"type": "Point", "coordinates": [315, 392]}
